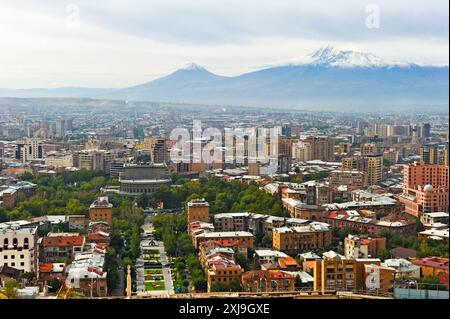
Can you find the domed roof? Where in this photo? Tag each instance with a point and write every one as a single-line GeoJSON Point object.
{"type": "Point", "coordinates": [428, 188]}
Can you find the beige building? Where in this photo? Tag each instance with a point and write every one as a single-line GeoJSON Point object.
{"type": "Point", "coordinates": [358, 247]}
{"type": "Point", "coordinates": [59, 160]}
{"type": "Point", "coordinates": [93, 159]}
{"type": "Point", "coordinates": [18, 245]}
{"type": "Point", "coordinates": [298, 239]}
{"type": "Point", "coordinates": [371, 165]}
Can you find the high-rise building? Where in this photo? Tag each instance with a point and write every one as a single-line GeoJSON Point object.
{"type": "Point", "coordinates": [371, 165]}
{"type": "Point", "coordinates": [426, 130]}
{"type": "Point", "coordinates": [446, 151]}
{"type": "Point", "coordinates": [157, 148]}
{"type": "Point", "coordinates": [29, 149]}
{"type": "Point", "coordinates": [425, 188]}
{"type": "Point", "coordinates": [374, 169]}
{"type": "Point", "coordinates": [369, 149]}
{"type": "Point", "coordinates": [322, 148]}
{"type": "Point", "coordinates": [286, 131]}
{"type": "Point", "coordinates": [429, 153]}
{"type": "Point", "coordinates": [391, 156]}
{"type": "Point", "coordinates": [302, 151]}
{"type": "Point", "coordinates": [2, 150]}
{"type": "Point", "coordinates": [93, 159]}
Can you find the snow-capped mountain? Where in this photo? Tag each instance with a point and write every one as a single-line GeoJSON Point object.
{"type": "Point", "coordinates": [191, 66]}
{"type": "Point", "coordinates": [333, 57]}
{"type": "Point", "coordinates": [328, 78]}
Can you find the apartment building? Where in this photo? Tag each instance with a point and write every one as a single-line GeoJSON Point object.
{"type": "Point", "coordinates": [368, 225]}
{"type": "Point", "coordinates": [360, 247]}
{"type": "Point", "coordinates": [244, 239]}
{"type": "Point", "coordinates": [298, 239]}
{"type": "Point", "coordinates": [198, 210]}
{"type": "Point", "coordinates": [425, 188]}
{"type": "Point", "coordinates": [18, 245]}
{"type": "Point", "coordinates": [57, 247]}
{"type": "Point", "coordinates": [101, 210]}
{"type": "Point", "coordinates": [231, 222]}
{"type": "Point", "coordinates": [267, 281]}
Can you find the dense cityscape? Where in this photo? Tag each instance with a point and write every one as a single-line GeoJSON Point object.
{"type": "Point", "coordinates": [95, 203]}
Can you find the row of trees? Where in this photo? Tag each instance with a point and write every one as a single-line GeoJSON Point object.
{"type": "Point", "coordinates": [172, 230]}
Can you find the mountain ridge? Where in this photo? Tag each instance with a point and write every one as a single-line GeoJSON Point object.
{"type": "Point", "coordinates": [328, 77]}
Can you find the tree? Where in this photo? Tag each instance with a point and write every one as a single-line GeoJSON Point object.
{"type": "Point", "coordinates": [242, 260]}
{"type": "Point", "coordinates": [142, 200]}
{"type": "Point", "coordinates": [431, 283]}
{"type": "Point", "coordinates": [266, 241]}
{"type": "Point", "coordinates": [135, 242]}
{"type": "Point", "coordinates": [298, 281]}
{"type": "Point", "coordinates": [54, 284]}
{"type": "Point", "coordinates": [26, 176]}
{"type": "Point", "coordinates": [383, 255]}
{"type": "Point", "coordinates": [419, 226]}
{"type": "Point", "coordinates": [10, 290]}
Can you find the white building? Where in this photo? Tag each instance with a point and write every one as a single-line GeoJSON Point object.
{"type": "Point", "coordinates": [59, 160]}
{"type": "Point", "coordinates": [264, 256]}
{"type": "Point", "coordinates": [403, 268]}
{"type": "Point", "coordinates": [18, 245]}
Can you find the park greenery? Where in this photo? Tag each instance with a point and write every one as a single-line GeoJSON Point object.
{"type": "Point", "coordinates": [73, 193]}
{"type": "Point", "coordinates": [223, 196]}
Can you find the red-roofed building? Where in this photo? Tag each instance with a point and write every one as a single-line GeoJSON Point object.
{"type": "Point", "coordinates": [48, 271]}
{"type": "Point", "coordinates": [434, 266]}
{"type": "Point", "coordinates": [267, 281]}
{"type": "Point", "coordinates": [288, 264]}
{"type": "Point", "coordinates": [58, 247]}
{"type": "Point", "coordinates": [99, 233]}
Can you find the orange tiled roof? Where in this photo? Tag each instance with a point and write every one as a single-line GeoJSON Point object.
{"type": "Point", "coordinates": [287, 262]}
{"type": "Point", "coordinates": [45, 267]}
{"type": "Point", "coordinates": [63, 241]}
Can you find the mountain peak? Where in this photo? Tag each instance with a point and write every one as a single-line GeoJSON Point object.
{"type": "Point", "coordinates": [331, 56]}
{"type": "Point", "coordinates": [191, 66]}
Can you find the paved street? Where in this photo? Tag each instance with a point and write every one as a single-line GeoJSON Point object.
{"type": "Point", "coordinates": [166, 270]}
{"type": "Point", "coordinates": [140, 271]}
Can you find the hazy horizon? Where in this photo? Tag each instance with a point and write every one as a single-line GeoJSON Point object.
{"type": "Point", "coordinates": [114, 45]}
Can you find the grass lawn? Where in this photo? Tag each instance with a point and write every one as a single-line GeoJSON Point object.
{"type": "Point", "coordinates": [158, 285]}
{"type": "Point", "coordinates": [154, 277]}
{"type": "Point", "coordinates": [151, 251]}
{"type": "Point", "coordinates": [157, 271]}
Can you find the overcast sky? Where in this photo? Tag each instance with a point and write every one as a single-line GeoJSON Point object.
{"type": "Point", "coordinates": [111, 43]}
